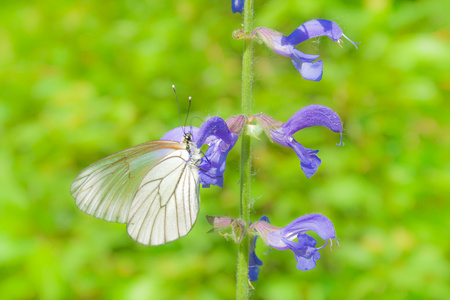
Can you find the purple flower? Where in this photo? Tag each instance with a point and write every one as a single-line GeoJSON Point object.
{"type": "Point", "coordinates": [215, 133]}
{"type": "Point", "coordinates": [254, 263]}
{"type": "Point", "coordinates": [212, 164]}
{"type": "Point", "coordinates": [285, 45]}
{"type": "Point", "coordinates": [312, 115]}
{"type": "Point", "coordinates": [304, 249]}
{"type": "Point", "coordinates": [237, 6]}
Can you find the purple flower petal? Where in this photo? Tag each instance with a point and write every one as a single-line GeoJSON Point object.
{"type": "Point", "coordinates": [254, 263]}
{"type": "Point", "coordinates": [215, 133]}
{"type": "Point", "coordinates": [309, 161]}
{"type": "Point", "coordinates": [305, 252]}
{"type": "Point", "coordinates": [312, 222]}
{"type": "Point", "coordinates": [212, 164]}
{"type": "Point", "coordinates": [304, 249]}
{"type": "Point", "coordinates": [302, 56]}
{"type": "Point", "coordinates": [237, 6]}
{"type": "Point", "coordinates": [315, 28]}
{"type": "Point", "coordinates": [177, 134]}
{"type": "Point", "coordinates": [312, 71]}
{"type": "Point", "coordinates": [285, 45]}
{"type": "Point", "coordinates": [265, 219]}
{"type": "Point", "coordinates": [214, 126]}
{"type": "Point", "coordinates": [312, 115]}
{"type": "Point", "coordinates": [308, 70]}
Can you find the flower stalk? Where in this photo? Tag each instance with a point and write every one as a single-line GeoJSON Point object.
{"type": "Point", "coordinates": [242, 286]}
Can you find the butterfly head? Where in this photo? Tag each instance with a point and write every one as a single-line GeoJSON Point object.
{"type": "Point", "coordinates": [187, 137]}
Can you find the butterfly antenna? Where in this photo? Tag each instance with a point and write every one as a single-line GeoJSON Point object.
{"type": "Point", "coordinates": [178, 106]}
{"type": "Point", "coordinates": [189, 108]}
{"type": "Point", "coordinates": [206, 158]}
{"type": "Point", "coordinates": [201, 120]}
{"type": "Point", "coordinates": [204, 170]}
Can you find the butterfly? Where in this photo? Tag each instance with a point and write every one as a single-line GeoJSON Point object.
{"type": "Point", "coordinates": [152, 187]}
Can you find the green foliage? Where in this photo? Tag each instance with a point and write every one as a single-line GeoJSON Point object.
{"type": "Point", "coordinates": [84, 79]}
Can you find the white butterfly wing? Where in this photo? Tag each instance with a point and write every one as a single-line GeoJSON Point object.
{"type": "Point", "coordinates": [106, 189]}
{"type": "Point", "coordinates": [167, 201]}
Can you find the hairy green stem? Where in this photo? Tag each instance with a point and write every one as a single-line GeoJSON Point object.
{"type": "Point", "coordinates": [242, 286]}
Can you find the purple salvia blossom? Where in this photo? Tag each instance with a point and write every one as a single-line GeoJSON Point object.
{"type": "Point", "coordinates": [312, 115]}
{"type": "Point", "coordinates": [305, 250]}
{"type": "Point", "coordinates": [215, 133]}
{"type": "Point", "coordinates": [237, 6]}
{"type": "Point", "coordinates": [285, 45]}
{"type": "Point", "coordinates": [212, 164]}
{"type": "Point", "coordinates": [254, 263]}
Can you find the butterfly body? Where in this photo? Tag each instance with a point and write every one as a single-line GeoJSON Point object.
{"type": "Point", "coordinates": [152, 187]}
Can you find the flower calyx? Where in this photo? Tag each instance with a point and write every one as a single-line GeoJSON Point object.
{"type": "Point", "coordinates": [238, 228]}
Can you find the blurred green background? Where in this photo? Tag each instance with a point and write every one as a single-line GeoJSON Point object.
{"type": "Point", "coordinates": [80, 80]}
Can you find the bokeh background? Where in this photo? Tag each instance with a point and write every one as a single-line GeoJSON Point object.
{"type": "Point", "coordinates": [80, 80]}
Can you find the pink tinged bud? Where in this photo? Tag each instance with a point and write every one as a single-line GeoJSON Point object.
{"type": "Point", "coordinates": [274, 40]}
{"type": "Point", "coordinates": [219, 223]}
{"type": "Point", "coordinates": [268, 123]}
{"type": "Point", "coordinates": [237, 226]}
{"type": "Point", "coordinates": [236, 123]}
